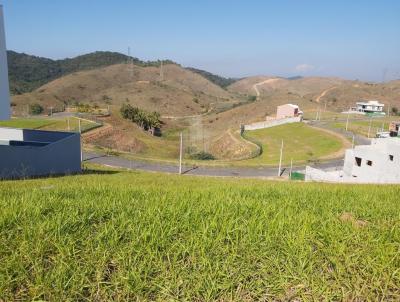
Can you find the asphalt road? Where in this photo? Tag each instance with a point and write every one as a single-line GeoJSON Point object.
{"type": "Point", "coordinates": [120, 162]}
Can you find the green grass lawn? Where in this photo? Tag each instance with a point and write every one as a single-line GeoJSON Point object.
{"type": "Point", "coordinates": [301, 143]}
{"type": "Point", "coordinates": [27, 123]}
{"type": "Point", "coordinates": [59, 124]}
{"type": "Point", "coordinates": [136, 236]}
{"type": "Point", "coordinates": [362, 127]}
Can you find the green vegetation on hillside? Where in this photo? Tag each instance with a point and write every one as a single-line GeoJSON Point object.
{"type": "Point", "coordinates": [146, 120]}
{"type": "Point", "coordinates": [28, 72]}
{"type": "Point", "coordinates": [301, 143]}
{"type": "Point", "coordinates": [216, 79]}
{"type": "Point", "coordinates": [135, 236]}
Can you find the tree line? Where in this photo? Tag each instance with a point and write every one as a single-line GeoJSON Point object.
{"type": "Point", "coordinates": [146, 120]}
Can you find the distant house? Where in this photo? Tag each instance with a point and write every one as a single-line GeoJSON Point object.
{"type": "Point", "coordinates": [288, 110]}
{"type": "Point", "coordinates": [375, 163]}
{"type": "Point", "coordinates": [370, 107]}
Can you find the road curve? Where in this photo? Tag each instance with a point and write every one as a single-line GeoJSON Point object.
{"type": "Point", "coordinates": [120, 162]}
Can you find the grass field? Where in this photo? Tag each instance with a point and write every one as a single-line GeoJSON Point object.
{"type": "Point", "coordinates": [139, 236]}
{"type": "Point", "coordinates": [362, 127]}
{"type": "Point", "coordinates": [49, 124]}
{"type": "Point", "coordinates": [301, 143]}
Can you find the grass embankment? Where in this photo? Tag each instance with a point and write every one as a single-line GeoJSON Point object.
{"type": "Point", "coordinates": [302, 143]}
{"type": "Point", "coordinates": [143, 236]}
{"type": "Point", "coordinates": [60, 124]}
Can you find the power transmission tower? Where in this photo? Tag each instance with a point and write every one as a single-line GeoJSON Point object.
{"type": "Point", "coordinates": [130, 63]}
{"type": "Point", "coordinates": [161, 71]}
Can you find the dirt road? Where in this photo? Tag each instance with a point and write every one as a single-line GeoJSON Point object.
{"type": "Point", "coordinates": [269, 81]}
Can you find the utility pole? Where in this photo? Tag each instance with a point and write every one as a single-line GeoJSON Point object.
{"type": "Point", "coordinates": [347, 121]}
{"type": "Point", "coordinates": [280, 160]}
{"type": "Point", "coordinates": [130, 62]}
{"type": "Point", "coordinates": [352, 143]}
{"type": "Point", "coordinates": [291, 168]}
{"type": "Point", "coordinates": [180, 154]}
{"type": "Point", "coordinates": [68, 124]}
{"type": "Point", "coordinates": [369, 128]}
{"type": "Point", "coordinates": [161, 71]}
{"type": "Point", "coordinates": [80, 127]}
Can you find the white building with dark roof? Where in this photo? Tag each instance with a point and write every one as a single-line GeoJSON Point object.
{"type": "Point", "coordinates": [370, 107]}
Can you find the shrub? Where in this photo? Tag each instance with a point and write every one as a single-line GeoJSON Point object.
{"type": "Point", "coordinates": [146, 120]}
{"type": "Point", "coordinates": [251, 98]}
{"type": "Point", "coordinates": [35, 109]}
{"type": "Point", "coordinates": [202, 155]}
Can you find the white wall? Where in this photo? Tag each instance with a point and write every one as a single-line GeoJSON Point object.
{"type": "Point", "coordinates": [10, 134]}
{"type": "Point", "coordinates": [4, 87]}
{"type": "Point", "coordinates": [272, 123]}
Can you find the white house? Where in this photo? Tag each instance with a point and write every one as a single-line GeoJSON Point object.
{"type": "Point", "coordinates": [25, 153]}
{"type": "Point", "coordinates": [370, 107]}
{"type": "Point", "coordinates": [375, 163]}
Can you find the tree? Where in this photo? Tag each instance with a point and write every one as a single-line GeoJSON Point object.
{"type": "Point", "coordinates": [35, 109]}
{"type": "Point", "coordinates": [142, 118]}
{"type": "Point", "coordinates": [395, 110]}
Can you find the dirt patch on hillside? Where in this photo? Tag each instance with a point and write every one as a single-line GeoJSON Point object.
{"type": "Point", "coordinates": [233, 146]}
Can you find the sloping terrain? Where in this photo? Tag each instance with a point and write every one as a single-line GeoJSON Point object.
{"type": "Point", "coordinates": [111, 235]}
{"type": "Point", "coordinates": [177, 92]}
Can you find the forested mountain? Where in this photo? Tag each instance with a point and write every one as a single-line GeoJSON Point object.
{"type": "Point", "coordinates": [216, 79]}
{"type": "Point", "coordinates": [28, 72]}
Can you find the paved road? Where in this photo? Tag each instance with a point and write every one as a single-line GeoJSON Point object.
{"type": "Point", "coordinates": [358, 139]}
{"type": "Point", "coordinates": [120, 162]}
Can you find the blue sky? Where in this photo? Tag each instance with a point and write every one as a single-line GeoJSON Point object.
{"type": "Point", "coordinates": [351, 39]}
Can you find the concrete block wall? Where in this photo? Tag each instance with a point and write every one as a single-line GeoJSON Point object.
{"type": "Point", "coordinates": [272, 123]}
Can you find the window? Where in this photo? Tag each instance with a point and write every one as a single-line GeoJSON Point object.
{"type": "Point", "coordinates": [369, 162]}
{"type": "Point", "coordinates": [391, 157]}
{"type": "Point", "coordinates": [358, 161]}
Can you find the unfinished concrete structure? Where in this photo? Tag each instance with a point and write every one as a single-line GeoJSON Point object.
{"type": "Point", "coordinates": [375, 163]}
{"type": "Point", "coordinates": [26, 153]}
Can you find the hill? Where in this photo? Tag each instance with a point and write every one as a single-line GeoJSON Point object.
{"type": "Point", "coordinates": [178, 92]}
{"type": "Point", "coordinates": [114, 235]}
{"type": "Point", "coordinates": [216, 79]}
{"type": "Point", "coordinates": [27, 72]}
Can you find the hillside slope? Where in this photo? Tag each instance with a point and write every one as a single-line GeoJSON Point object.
{"type": "Point", "coordinates": [27, 72]}
{"type": "Point", "coordinates": [179, 92]}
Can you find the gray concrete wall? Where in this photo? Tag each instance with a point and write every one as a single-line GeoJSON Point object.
{"type": "Point", "coordinates": [4, 87]}
{"type": "Point", "coordinates": [61, 157]}
{"type": "Point", "coordinates": [272, 123]}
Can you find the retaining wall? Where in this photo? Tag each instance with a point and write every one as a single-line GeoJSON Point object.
{"type": "Point", "coordinates": [272, 123]}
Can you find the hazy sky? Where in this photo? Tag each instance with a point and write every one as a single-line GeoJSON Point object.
{"type": "Point", "coordinates": [351, 39]}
